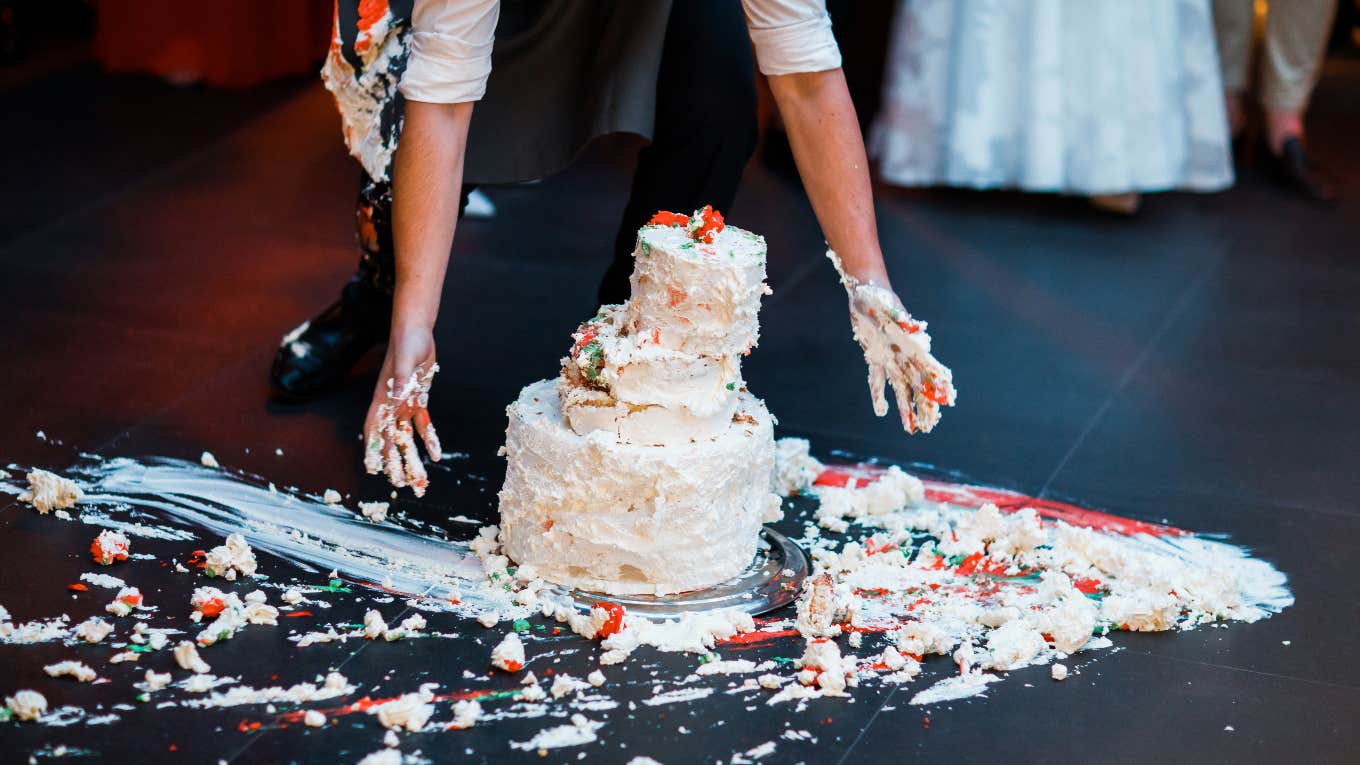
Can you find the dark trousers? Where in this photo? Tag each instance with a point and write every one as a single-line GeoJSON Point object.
{"type": "Point", "coordinates": [705, 126]}
{"type": "Point", "coordinates": [705, 133]}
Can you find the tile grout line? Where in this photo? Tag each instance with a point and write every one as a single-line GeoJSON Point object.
{"type": "Point", "coordinates": [1178, 308]}
{"type": "Point", "coordinates": [1260, 673]}
{"type": "Point", "coordinates": [867, 725]}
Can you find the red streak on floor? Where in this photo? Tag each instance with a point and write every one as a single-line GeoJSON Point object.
{"type": "Point", "coordinates": [966, 495]}
{"type": "Point", "coordinates": [758, 638]}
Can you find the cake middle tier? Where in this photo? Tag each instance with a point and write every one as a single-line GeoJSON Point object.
{"type": "Point", "coordinates": [599, 515]}
{"type": "Point", "coordinates": [641, 391]}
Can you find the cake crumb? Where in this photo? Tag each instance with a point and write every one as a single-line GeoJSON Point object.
{"type": "Point", "coordinates": [374, 511]}
{"type": "Point", "coordinates": [49, 491]}
{"type": "Point", "coordinates": [27, 705]}
{"type": "Point", "coordinates": [508, 655]}
{"type": "Point", "coordinates": [74, 669]}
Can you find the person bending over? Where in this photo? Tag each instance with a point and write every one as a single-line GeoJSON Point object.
{"type": "Point", "coordinates": [446, 76]}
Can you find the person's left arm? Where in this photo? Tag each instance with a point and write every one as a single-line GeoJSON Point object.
{"type": "Point", "coordinates": [797, 52]}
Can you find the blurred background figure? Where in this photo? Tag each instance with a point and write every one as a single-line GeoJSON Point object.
{"type": "Point", "coordinates": [235, 44]}
{"type": "Point", "coordinates": [1295, 39]}
{"type": "Point", "coordinates": [1101, 98]}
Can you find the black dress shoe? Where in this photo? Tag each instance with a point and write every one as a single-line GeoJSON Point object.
{"type": "Point", "coordinates": [1293, 169]}
{"type": "Point", "coordinates": [316, 356]}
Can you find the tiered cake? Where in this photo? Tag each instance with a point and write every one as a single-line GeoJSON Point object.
{"type": "Point", "coordinates": [646, 467]}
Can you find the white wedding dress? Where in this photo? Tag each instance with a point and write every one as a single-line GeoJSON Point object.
{"type": "Point", "coordinates": [1076, 96]}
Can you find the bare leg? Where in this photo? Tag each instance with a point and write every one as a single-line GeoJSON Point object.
{"type": "Point", "coordinates": [1282, 124]}
{"type": "Point", "coordinates": [1121, 204]}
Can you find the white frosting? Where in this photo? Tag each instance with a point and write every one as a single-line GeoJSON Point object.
{"type": "Point", "coordinates": [647, 468]}
{"type": "Point", "coordinates": [27, 705]}
{"type": "Point", "coordinates": [642, 391]}
{"type": "Point", "coordinates": [409, 712]}
{"type": "Point", "coordinates": [359, 96]}
{"type": "Point", "coordinates": [587, 410]}
{"type": "Point", "coordinates": [602, 515]}
{"type": "Point", "coordinates": [74, 669]}
{"type": "Point", "coordinates": [636, 368]}
{"type": "Point", "coordinates": [228, 560]}
{"type": "Point", "coordinates": [93, 629]}
{"type": "Point", "coordinates": [697, 297]}
{"type": "Point", "coordinates": [508, 655]}
{"type": "Point", "coordinates": [186, 656]}
{"type": "Point", "coordinates": [49, 491]}
{"type": "Point", "coordinates": [795, 469]}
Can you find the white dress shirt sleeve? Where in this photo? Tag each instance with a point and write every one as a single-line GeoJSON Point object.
{"type": "Point", "coordinates": [791, 36]}
{"type": "Point", "coordinates": [450, 50]}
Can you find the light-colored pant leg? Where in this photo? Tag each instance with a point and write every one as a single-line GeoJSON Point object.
{"type": "Point", "coordinates": [1296, 38]}
{"type": "Point", "coordinates": [1233, 21]}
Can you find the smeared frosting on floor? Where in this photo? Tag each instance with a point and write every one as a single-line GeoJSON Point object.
{"type": "Point", "coordinates": [905, 569]}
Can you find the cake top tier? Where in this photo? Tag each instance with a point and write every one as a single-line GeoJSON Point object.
{"type": "Point", "coordinates": [697, 284]}
{"type": "Point", "coordinates": [703, 238]}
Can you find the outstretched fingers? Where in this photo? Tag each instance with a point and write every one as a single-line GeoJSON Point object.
{"type": "Point", "coordinates": [428, 434]}
{"type": "Point", "coordinates": [906, 406]}
{"type": "Point", "coordinates": [374, 457]}
{"type": "Point", "coordinates": [877, 378]}
{"type": "Point", "coordinates": [411, 468]}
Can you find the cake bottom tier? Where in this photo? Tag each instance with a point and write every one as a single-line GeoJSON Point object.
{"type": "Point", "coordinates": [592, 513]}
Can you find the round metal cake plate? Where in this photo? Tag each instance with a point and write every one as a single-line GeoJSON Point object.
{"type": "Point", "coordinates": [762, 587]}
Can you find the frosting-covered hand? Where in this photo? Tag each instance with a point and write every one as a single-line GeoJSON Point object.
{"type": "Point", "coordinates": [399, 411]}
{"type": "Point", "coordinates": [897, 350]}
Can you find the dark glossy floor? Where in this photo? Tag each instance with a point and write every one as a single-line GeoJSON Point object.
{"type": "Point", "coordinates": [1197, 363]}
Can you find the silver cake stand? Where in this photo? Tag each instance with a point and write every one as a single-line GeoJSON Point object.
{"type": "Point", "coordinates": [771, 581]}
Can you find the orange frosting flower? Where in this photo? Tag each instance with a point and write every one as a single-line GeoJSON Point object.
{"type": "Point", "coordinates": [710, 224]}
{"type": "Point", "coordinates": [665, 218]}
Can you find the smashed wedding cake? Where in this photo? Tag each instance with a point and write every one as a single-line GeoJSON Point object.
{"type": "Point", "coordinates": [646, 466]}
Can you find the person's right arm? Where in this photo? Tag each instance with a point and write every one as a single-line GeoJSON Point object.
{"type": "Point", "coordinates": [447, 72]}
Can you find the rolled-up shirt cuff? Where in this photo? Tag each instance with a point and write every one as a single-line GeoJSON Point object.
{"type": "Point", "coordinates": [444, 69]}
{"type": "Point", "coordinates": [807, 46]}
